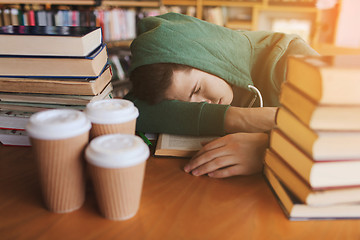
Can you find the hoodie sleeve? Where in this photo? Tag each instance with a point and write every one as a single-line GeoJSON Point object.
{"type": "Point", "coordinates": [176, 117]}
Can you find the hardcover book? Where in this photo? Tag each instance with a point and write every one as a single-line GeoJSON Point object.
{"type": "Point", "coordinates": [300, 188]}
{"type": "Point", "coordinates": [13, 120]}
{"type": "Point", "coordinates": [71, 86]}
{"type": "Point", "coordinates": [49, 40]}
{"type": "Point", "coordinates": [63, 99]}
{"type": "Point", "coordinates": [33, 107]}
{"type": "Point", "coordinates": [320, 145]}
{"type": "Point", "coordinates": [50, 66]}
{"type": "Point", "coordinates": [14, 138]}
{"type": "Point", "coordinates": [298, 211]}
{"type": "Point", "coordinates": [326, 79]}
{"type": "Point", "coordinates": [318, 174]}
{"type": "Point", "coordinates": [319, 117]}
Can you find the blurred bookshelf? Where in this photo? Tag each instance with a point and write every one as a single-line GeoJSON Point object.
{"type": "Point", "coordinates": [235, 14]}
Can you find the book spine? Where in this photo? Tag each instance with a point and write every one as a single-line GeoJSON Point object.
{"type": "Point", "coordinates": [1, 18]}
{"type": "Point", "coordinates": [31, 18]}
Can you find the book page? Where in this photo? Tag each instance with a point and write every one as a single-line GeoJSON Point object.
{"type": "Point", "coordinates": [180, 145]}
{"type": "Point", "coordinates": [183, 142]}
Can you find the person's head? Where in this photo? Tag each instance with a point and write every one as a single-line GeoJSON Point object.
{"type": "Point", "coordinates": [189, 41]}
{"type": "Point", "coordinates": [169, 81]}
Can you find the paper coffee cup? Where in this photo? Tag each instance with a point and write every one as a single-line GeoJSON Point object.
{"type": "Point", "coordinates": [112, 116]}
{"type": "Point", "coordinates": [58, 139]}
{"type": "Point", "coordinates": [117, 166]}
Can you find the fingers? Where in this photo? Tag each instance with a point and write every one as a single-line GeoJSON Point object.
{"type": "Point", "coordinates": [207, 146]}
{"type": "Point", "coordinates": [214, 144]}
{"type": "Point", "coordinates": [204, 156]}
{"type": "Point", "coordinates": [213, 165]}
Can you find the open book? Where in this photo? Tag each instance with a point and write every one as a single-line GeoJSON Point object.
{"type": "Point", "coordinates": [179, 145]}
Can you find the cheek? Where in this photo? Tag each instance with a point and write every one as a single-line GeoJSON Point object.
{"type": "Point", "coordinates": [221, 91]}
{"type": "Point", "coordinates": [228, 98]}
{"type": "Point", "coordinates": [228, 93]}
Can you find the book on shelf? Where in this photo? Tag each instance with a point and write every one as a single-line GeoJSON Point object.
{"type": "Point", "coordinates": [179, 145]}
{"type": "Point", "coordinates": [238, 24]}
{"type": "Point", "coordinates": [51, 66]}
{"type": "Point", "coordinates": [319, 117]}
{"type": "Point", "coordinates": [107, 19]}
{"type": "Point", "coordinates": [117, 68]}
{"type": "Point", "coordinates": [12, 137]}
{"type": "Point", "coordinates": [14, 16]}
{"type": "Point", "coordinates": [295, 210]}
{"type": "Point", "coordinates": [329, 173]}
{"type": "Point", "coordinates": [215, 15]}
{"type": "Point", "coordinates": [301, 27]}
{"type": "Point", "coordinates": [326, 79]}
{"type": "Point", "coordinates": [303, 191]}
{"type": "Point", "coordinates": [30, 17]}
{"type": "Point", "coordinates": [320, 145]}
{"type": "Point", "coordinates": [71, 85]}
{"type": "Point", "coordinates": [49, 40]}
{"type": "Point", "coordinates": [62, 99]}
{"type": "Point", "coordinates": [6, 16]}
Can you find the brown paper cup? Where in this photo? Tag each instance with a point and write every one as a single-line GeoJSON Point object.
{"type": "Point", "coordinates": [117, 165]}
{"type": "Point", "coordinates": [118, 191]}
{"type": "Point", "coordinates": [111, 116]}
{"type": "Point", "coordinates": [98, 129]}
{"type": "Point", "coordinates": [61, 169]}
{"type": "Point", "coordinates": [58, 139]}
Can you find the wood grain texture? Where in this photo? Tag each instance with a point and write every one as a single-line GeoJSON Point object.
{"type": "Point", "coordinates": [174, 205]}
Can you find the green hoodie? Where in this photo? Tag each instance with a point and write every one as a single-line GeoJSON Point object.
{"type": "Point", "coordinates": [241, 58]}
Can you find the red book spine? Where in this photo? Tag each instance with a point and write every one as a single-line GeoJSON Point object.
{"type": "Point", "coordinates": [31, 18]}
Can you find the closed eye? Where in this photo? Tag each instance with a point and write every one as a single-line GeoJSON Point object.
{"type": "Point", "coordinates": [197, 91]}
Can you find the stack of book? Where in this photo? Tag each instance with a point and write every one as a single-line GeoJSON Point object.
{"type": "Point", "coordinates": [45, 67]}
{"type": "Point", "coordinates": [313, 162]}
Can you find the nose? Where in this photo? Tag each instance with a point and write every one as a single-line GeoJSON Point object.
{"type": "Point", "coordinates": [201, 99]}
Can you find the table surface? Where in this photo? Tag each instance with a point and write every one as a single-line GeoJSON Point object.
{"type": "Point", "coordinates": [174, 205]}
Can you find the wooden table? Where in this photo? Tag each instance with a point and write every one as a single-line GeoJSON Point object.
{"type": "Point", "coordinates": [174, 205]}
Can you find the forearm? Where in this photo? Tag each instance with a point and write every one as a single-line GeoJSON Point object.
{"type": "Point", "coordinates": [249, 119]}
{"type": "Point", "coordinates": [177, 117]}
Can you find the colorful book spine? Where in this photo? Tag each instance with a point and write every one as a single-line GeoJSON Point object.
{"type": "Point", "coordinates": [117, 24]}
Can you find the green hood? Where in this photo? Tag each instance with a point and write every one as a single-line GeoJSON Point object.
{"type": "Point", "coordinates": [182, 39]}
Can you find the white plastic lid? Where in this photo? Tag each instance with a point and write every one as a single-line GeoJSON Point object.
{"type": "Point", "coordinates": [111, 111]}
{"type": "Point", "coordinates": [57, 124]}
{"type": "Point", "coordinates": [117, 151]}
